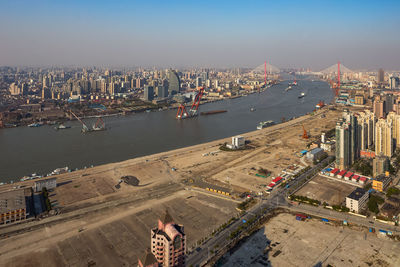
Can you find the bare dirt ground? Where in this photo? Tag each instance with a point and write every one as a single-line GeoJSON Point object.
{"type": "Point", "coordinates": [116, 222]}
{"type": "Point", "coordinates": [309, 243]}
{"type": "Point", "coordinates": [326, 190]}
{"type": "Point", "coordinates": [117, 237]}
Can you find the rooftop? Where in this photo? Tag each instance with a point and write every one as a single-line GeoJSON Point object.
{"type": "Point", "coordinates": [357, 193]}
{"type": "Point", "coordinates": [382, 178]}
{"type": "Point", "coordinates": [148, 258]}
{"type": "Point", "coordinates": [12, 200]}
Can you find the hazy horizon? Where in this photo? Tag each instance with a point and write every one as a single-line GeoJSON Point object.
{"type": "Point", "coordinates": [178, 34]}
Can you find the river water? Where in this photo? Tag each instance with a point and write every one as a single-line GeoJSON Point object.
{"type": "Point", "coordinates": [25, 150]}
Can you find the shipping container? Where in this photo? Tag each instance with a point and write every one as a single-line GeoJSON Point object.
{"type": "Point", "coordinates": [325, 220]}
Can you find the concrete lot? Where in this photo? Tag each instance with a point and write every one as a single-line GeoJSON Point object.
{"type": "Point", "coordinates": [297, 243]}
{"type": "Point", "coordinates": [326, 190]}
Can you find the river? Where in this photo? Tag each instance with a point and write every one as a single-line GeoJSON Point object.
{"type": "Point", "coordinates": [40, 150]}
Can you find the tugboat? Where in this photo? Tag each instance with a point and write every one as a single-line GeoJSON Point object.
{"type": "Point", "coordinates": [252, 109]}
{"type": "Point", "coordinates": [35, 124]}
{"type": "Point", "coordinates": [264, 124]}
{"type": "Point", "coordinates": [302, 95]}
{"type": "Point", "coordinates": [62, 127]}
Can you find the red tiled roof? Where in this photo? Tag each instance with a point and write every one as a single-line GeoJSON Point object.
{"type": "Point", "coordinates": [277, 179]}
{"type": "Point", "coordinates": [335, 170]}
{"type": "Point", "coordinates": [349, 174]}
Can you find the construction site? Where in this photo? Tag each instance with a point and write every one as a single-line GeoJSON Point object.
{"type": "Point", "coordinates": [102, 218]}
{"type": "Point", "coordinates": [285, 241]}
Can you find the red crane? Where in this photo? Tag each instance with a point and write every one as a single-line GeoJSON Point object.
{"type": "Point", "coordinates": [338, 78]}
{"type": "Point", "coordinates": [305, 134]}
{"type": "Point", "coordinates": [183, 114]}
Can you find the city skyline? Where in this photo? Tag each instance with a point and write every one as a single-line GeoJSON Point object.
{"type": "Point", "coordinates": [178, 34]}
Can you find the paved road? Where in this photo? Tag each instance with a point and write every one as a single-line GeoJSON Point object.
{"type": "Point", "coordinates": [351, 219]}
{"type": "Point", "coordinates": [278, 198]}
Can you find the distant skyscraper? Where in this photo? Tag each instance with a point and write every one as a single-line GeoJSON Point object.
{"type": "Point", "coordinates": [384, 138]}
{"type": "Point", "coordinates": [204, 76]}
{"type": "Point", "coordinates": [174, 83]}
{"type": "Point", "coordinates": [198, 82]}
{"type": "Point", "coordinates": [139, 83]}
{"type": "Point", "coordinates": [46, 82]}
{"type": "Point", "coordinates": [148, 93]}
{"type": "Point", "coordinates": [161, 91]}
{"type": "Point", "coordinates": [389, 100]}
{"type": "Point", "coordinates": [393, 82]}
{"type": "Point", "coordinates": [381, 76]}
{"type": "Point", "coordinates": [168, 242]}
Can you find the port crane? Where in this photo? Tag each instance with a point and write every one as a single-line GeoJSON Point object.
{"type": "Point", "coordinates": [98, 126]}
{"type": "Point", "coordinates": [193, 111]}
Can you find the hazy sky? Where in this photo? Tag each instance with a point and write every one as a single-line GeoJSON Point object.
{"type": "Point", "coordinates": [168, 33]}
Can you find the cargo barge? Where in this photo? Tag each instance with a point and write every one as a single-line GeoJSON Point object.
{"type": "Point", "coordinates": [212, 112]}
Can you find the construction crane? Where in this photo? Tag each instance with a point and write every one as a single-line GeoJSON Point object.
{"type": "Point", "coordinates": [193, 111]}
{"type": "Point", "coordinates": [98, 126]}
{"type": "Point", "coordinates": [305, 134]}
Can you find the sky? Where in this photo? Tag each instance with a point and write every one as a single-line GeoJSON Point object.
{"type": "Point", "coordinates": [207, 33]}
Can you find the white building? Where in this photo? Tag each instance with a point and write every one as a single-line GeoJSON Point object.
{"type": "Point", "coordinates": [49, 183]}
{"type": "Point", "coordinates": [357, 200]}
{"type": "Point", "coordinates": [238, 141]}
{"type": "Point", "coordinates": [328, 146]}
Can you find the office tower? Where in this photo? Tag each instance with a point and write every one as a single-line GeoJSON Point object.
{"type": "Point", "coordinates": [161, 91]}
{"type": "Point", "coordinates": [208, 83]}
{"type": "Point", "coordinates": [148, 93]}
{"type": "Point", "coordinates": [14, 89]}
{"type": "Point", "coordinates": [216, 83]}
{"type": "Point", "coordinates": [380, 165]}
{"type": "Point", "coordinates": [46, 82]}
{"type": "Point", "coordinates": [46, 93]}
{"type": "Point", "coordinates": [198, 82]}
{"type": "Point", "coordinates": [384, 137]}
{"type": "Point", "coordinates": [24, 89]}
{"type": "Point", "coordinates": [393, 82]}
{"type": "Point", "coordinates": [366, 127]}
{"type": "Point", "coordinates": [381, 76]}
{"type": "Point", "coordinates": [174, 83]}
{"type": "Point", "coordinates": [103, 86]}
{"type": "Point", "coordinates": [168, 242]}
{"type": "Point", "coordinates": [204, 76]}
{"type": "Point", "coordinates": [139, 83]}
{"type": "Point", "coordinates": [380, 108]}
{"type": "Point", "coordinates": [113, 88]}
{"type": "Point", "coordinates": [389, 100]}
